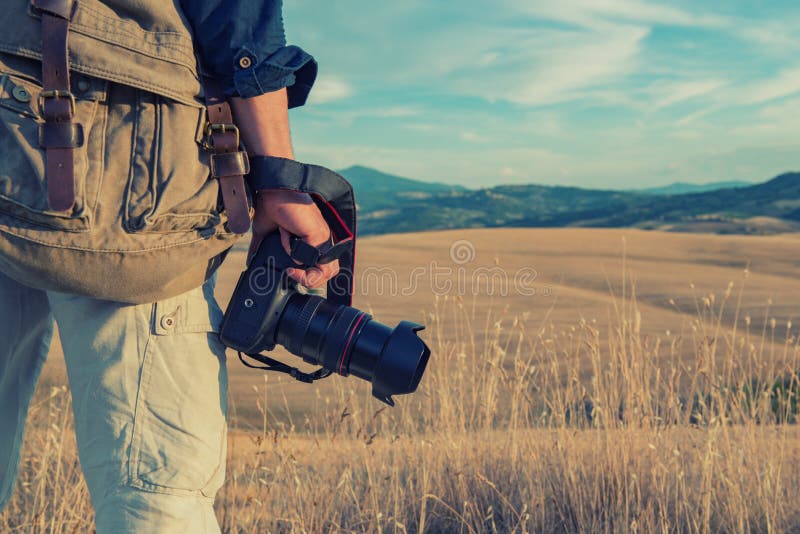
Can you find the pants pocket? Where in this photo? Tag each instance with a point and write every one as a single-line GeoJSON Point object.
{"type": "Point", "coordinates": [179, 434]}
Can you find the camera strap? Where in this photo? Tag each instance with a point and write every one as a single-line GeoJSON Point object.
{"type": "Point", "coordinates": [271, 364]}
{"type": "Point", "coordinates": [334, 197]}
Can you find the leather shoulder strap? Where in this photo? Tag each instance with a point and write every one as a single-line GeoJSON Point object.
{"type": "Point", "coordinates": [58, 135]}
{"type": "Point", "coordinates": [229, 163]}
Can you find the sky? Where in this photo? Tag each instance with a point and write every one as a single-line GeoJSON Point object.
{"type": "Point", "coordinates": [604, 94]}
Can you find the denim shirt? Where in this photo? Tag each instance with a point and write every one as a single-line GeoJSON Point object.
{"type": "Point", "coordinates": [242, 43]}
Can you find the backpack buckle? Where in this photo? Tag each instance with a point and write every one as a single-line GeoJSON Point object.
{"type": "Point", "coordinates": [56, 94]}
{"type": "Point", "coordinates": [212, 130]}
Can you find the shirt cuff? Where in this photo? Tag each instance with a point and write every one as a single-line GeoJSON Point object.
{"type": "Point", "coordinates": [289, 67]}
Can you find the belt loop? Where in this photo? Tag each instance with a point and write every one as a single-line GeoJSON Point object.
{"type": "Point", "coordinates": [59, 135]}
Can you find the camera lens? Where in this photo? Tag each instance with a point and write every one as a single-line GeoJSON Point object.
{"type": "Point", "coordinates": [398, 366]}
{"type": "Point", "coordinates": [348, 341]}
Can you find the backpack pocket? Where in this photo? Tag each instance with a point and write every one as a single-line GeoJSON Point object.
{"type": "Point", "coordinates": [23, 187]}
{"type": "Point", "coordinates": [170, 188]}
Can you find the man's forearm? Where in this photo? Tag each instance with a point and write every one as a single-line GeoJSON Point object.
{"type": "Point", "coordinates": [263, 122]}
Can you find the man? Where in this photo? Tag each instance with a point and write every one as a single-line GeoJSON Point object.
{"type": "Point", "coordinates": [125, 266]}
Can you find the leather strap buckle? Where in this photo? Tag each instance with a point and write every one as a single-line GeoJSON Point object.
{"type": "Point", "coordinates": [212, 131]}
{"type": "Point", "coordinates": [60, 135]}
{"type": "Point", "coordinates": [229, 164]}
{"type": "Point", "coordinates": [221, 127]}
{"type": "Point", "coordinates": [56, 94]}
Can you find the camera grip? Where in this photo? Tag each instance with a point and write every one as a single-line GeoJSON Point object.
{"type": "Point", "coordinates": [254, 308]}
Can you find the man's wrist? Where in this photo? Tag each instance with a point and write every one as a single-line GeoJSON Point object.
{"type": "Point", "coordinates": [264, 124]}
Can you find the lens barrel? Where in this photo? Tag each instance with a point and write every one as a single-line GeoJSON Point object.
{"type": "Point", "coordinates": [348, 341]}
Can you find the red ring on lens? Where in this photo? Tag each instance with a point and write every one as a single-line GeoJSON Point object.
{"type": "Point", "coordinates": [347, 345]}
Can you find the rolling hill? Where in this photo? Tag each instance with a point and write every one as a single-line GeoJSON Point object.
{"type": "Point", "coordinates": [366, 180]}
{"type": "Point", "coordinates": [680, 188]}
{"type": "Point", "coordinates": [391, 204]}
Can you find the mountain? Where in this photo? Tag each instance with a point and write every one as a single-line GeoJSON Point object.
{"type": "Point", "coordinates": [510, 205]}
{"type": "Point", "coordinates": [376, 190]}
{"type": "Point", "coordinates": [681, 188]}
{"type": "Point", "coordinates": [778, 198]}
{"type": "Point", "coordinates": [770, 207]}
{"type": "Point", "coordinates": [367, 180]}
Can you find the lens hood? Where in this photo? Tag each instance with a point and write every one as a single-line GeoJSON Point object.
{"type": "Point", "coordinates": [402, 363]}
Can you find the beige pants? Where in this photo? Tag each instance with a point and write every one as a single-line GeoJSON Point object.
{"type": "Point", "coordinates": [149, 388]}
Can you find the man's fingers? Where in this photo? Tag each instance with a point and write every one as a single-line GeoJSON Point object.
{"type": "Point", "coordinates": [328, 270]}
{"type": "Point", "coordinates": [286, 238]}
{"type": "Point", "coordinates": [320, 236]}
{"type": "Point", "coordinates": [310, 277]}
{"type": "Point", "coordinates": [315, 277]}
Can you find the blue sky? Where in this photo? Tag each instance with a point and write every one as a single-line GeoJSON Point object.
{"type": "Point", "coordinates": [591, 93]}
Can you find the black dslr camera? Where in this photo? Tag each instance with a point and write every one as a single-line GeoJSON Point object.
{"type": "Point", "coordinates": [267, 309]}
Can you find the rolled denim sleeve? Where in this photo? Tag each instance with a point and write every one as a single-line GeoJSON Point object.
{"type": "Point", "coordinates": [242, 43]}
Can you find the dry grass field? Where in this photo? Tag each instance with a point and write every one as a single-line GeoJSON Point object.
{"type": "Point", "coordinates": [581, 381]}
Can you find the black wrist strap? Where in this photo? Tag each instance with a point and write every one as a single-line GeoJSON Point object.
{"type": "Point", "coordinates": [309, 255]}
{"type": "Point", "coordinates": [334, 197]}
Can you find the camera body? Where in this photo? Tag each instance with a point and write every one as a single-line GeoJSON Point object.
{"type": "Point", "coordinates": [260, 296]}
{"type": "Point", "coordinates": [267, 309]}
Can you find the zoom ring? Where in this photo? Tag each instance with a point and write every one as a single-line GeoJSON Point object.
{"type": "Point", "coordinates": [304, 318]}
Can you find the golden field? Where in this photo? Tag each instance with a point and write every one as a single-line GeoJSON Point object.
{"type": "Point", "coordinates": [581, 381]}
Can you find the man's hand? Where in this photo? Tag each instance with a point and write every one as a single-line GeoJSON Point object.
{"type": "Point", "coordinates": [264, 124]}
{"type": "Point", "coordinates": [293, 213]}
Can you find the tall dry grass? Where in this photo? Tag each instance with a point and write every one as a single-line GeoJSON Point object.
{"type": "Point", "coordinates": [523, 428]}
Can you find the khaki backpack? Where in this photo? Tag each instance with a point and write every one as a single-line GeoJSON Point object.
{"type": "Point", "coordinates": [147, 220]}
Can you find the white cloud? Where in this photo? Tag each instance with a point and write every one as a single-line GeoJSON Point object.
{"type": "Point", "coordinates": [496, 50]}
{"type": "Point", "coordinates": [606, 47]}
{"type": "Point", "coordinates": [329, 89]}
{"type": "Point", "coordinates": [472, 137]}
{"type": "Point", "coordinates": [393, 112]}
{"type": "Point", "coordinates": [385, 112]}
{"type": "Point", "coordinates": [773, 123]}
{"type": "Point", "coordinates": [667, 93]}
{"type": "Point", "coordinates": [589, 12]}
{"type": "Point", "coordinates": [695, 116]}
{"type": "Point", "coordinates": [545, 66]}
{"type": "Point", "coordinates": [496, 58]}
{"type": "Point", "coordinates": [421, 126]}
{"type": "Point", "coordinates": [784, 84]}
{"type": "Point", "coordinates": [780, 36]}
{"type": "Point", "coordinates": [788, 111]}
